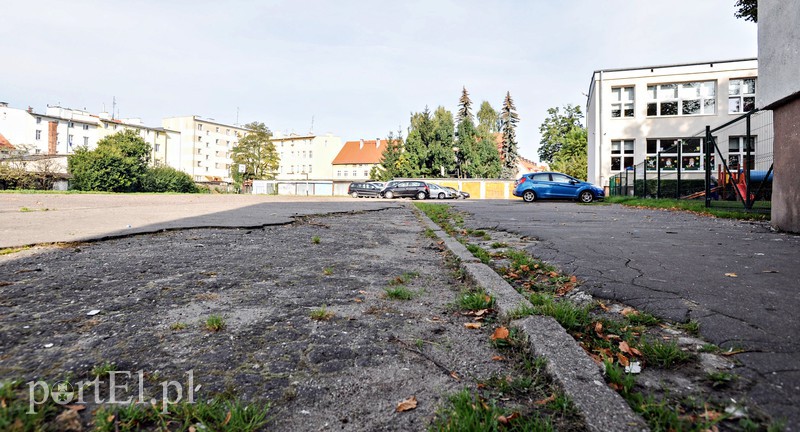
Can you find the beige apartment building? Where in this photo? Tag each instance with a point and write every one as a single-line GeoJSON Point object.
{"type": "Point", "coordinates": [635, 114]}
{"type": "Point", "coordinates": [205, 149]}
{"type": "Point", "coordinates": [165, 144]}
{"type": "Point", "coordinates": [306, 157]}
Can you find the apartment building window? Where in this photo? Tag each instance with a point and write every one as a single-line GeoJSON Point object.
{"type": "Point", "coordinates": [227, 132]}
{"type": "Point", "coordinates": [621, 154]}
{"type": "Point", "coordinates": [692, 98]}
{"type": "Point", "coordinates": [741, 95]}
{"type": "Point", "coordinates": [86, 141]}
{"type": "Point", "coordinates": [71, 124]}
{"type": "Point", "coordinates": [198, 151]}
{"type": "Point", "coordinates": [217, 130]}
{"type": "Point", "coordinates": [199, 138]}
{"type": "Point", "coordinates": [216, 165]}
{"type": "Point", "coordinates": [366, 173]}
{"type": "Point", "coordinates": [622, 102]}
{"type": "Point", "coordinates": [158, 147]}
{"type": "Point", "coordinates": [70, 140]}
{"type": "Point", "coordinates": [309, 155]}
{"type": "Point", "coordinates": [309, 169]}
{"type": "Point", "coordinates": [207, 157]}
{"type": "Point", "coordinates": [38, 120]}
{"type": "Point", "coordinates": [737, 152]}
{"type": "Point", "coordinates": [199, 126]}
{"type": "Point", "coordinates": [355, 173]}
{"type": "Point", "coordinates": [85, 127]}
{"type": "Point", "coordinates": [216, 141]}
{"type": "Point", "coordinates": [345, 173]}
{"type": "Point", "coordinates": [304, 154]}
{"type": "Point", "coordinates": [691, 158]}
{"type": "Point", "coordinates": [338, 173]}
{"type": "Point", "coordinates": [198, 164]}
{"type": "Point", "coordinates": [38, 134]}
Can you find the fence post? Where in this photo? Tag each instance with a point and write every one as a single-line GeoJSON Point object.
{"type": "Point", "coordinates": [644, 178]}
{"type": "Point", "coordinates": [708, 165]}
{"type": "Point", "coordinates": [658, 175]}
{"type": "Point", "coordinates": [748, 204]}
{"type": "Point", "coordinates": [634, 182]}
{"type": "Point", "coordinates": [680, 162]}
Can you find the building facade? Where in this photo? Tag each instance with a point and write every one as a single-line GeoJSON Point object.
{"type": "Point", "coordinates": [306, 157]}
{"type": "Point", "coordinates": [779, 57]}
{"type": "Point", "coordinates": [205, 147]}
{"type": "Point", "coordinates": [356, 159]}
{"type": "Point", "coordinates": [637, 115]}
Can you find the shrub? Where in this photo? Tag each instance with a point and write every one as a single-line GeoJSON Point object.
{"type": "Point", "coordinates": [167, 179]}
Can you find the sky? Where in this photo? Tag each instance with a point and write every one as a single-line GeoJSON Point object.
{"type": "Point", "coordinates": [357, 68]}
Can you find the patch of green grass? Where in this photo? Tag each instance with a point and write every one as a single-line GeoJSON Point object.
{"type": "Point", "coordinates": [216, 414]}
{"type": "Point", "coordinates": [617, 376]}
{"type": "Point", "coordinates": [429, 233]}
{"type": "Point", "coordinates": [692, 327]}
{"type": "Point", "coordinates": [663, 354]}
{"type": "Point", "coordinates": [498, 245]}
{"type": "Point", "coordinates": [695, 206]}
{"type": "Point", "coordinates": [521, 311]}
{"type": "Point", "coordinates": [466, 412]}
{"type": "Point", "coordinates": [25, 209]}
{"type": "Point", "coordinates": [327, 271]}
{"type": "Point", "coordinates": [709, 348]}
{"type": "Point", "coordinates": [215, 323]}
{"type": "Point", "coordinates": [642, 318]}
{"type": "Point", "coordinates": [720, 379]}
{"type": "Point", "coordinates": [477, 233]}
{"type": "Point", "coordinates": [479, 253]}
{"type": "Point", "coordinates": [569, 315]}
{"type": "Point", "coordinates": [475, 300]}
{"type": "Point", "coordinates": [399, 292]}
{"type": "Point", "coordinates": [666, 415]}
{"type": "Point", "coordinates": [14, 408]}
{"type": "Point", "coordinates": [178, 326]}
{"type": "Point", "coordinates": [321, 314]}
{"type": "Point", "coordinates": [101, 371]}
{"type": "Point", "coordinates": [315, 240]}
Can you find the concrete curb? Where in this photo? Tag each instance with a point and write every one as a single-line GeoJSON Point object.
{"type": "Point", "coordinates": [600, 406]}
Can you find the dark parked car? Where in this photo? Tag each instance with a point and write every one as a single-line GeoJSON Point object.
{"type": "Point", "coordinates": [406, 188]}
{"type": "Point", "coordinates": [553, 185]}
{"type": "Point", "coordinates": [366, 189]}
{"type": "Point", "coordinates": [458, 194]}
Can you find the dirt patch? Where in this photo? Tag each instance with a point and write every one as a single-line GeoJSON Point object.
{"type": "Point", "coordinates": [155, 292]}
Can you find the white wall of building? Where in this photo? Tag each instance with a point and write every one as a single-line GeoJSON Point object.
{"type": "Point", "coordinates": [306, 154]}
{"type": "Point", "coordinates": [205, 146]}
{"type": "Point", "coordinates": [603, 129]}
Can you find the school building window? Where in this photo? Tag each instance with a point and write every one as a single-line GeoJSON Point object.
{"type": "Point", "coordinates": [741, 95]}
{"type": "Point", "coordinates": [692, 98]}
{"type": "Point", "coordinates": [691, 154]}
{"type": "Point", "coordinates": [737, 152]}
{"type": "Point", "coordinates": [621, 154]}
{"type": "Point", "coordinates": [622, 102]}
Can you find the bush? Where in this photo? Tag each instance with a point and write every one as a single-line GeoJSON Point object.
{"type": "Point", "coordinates": [167, 179]}
{"type": "Point", "coordinates": [117, 164]}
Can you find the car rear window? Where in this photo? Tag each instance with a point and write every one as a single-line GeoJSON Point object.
{"type": "Point", "coordinates": [540, 177]}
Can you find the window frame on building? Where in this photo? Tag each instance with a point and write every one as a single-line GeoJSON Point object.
{"type": "Point", "coordinates": [622, 155]}
{"type": "Point", "coordinates": [739, 100]}
{"type": "Point", "coordinates": [741, 152]}
{"type": "Point", "coordinates": [673, 99]}
{"type": "Point", "coordinates": [623, 102]}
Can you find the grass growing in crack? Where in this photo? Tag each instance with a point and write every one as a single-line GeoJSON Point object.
{"type": "Point", "coordinates": [429, 233]}
{"type": "Point", "coordinates": [315, 240]}
{"type": "Point", "coordinates": [521, 311]}
{"type": "Point", "coordinates": [178, 326]}
{"type": "Point", "coordinates": [399, 292]}
{"type": "Point", "coordinates": [569, 315]}
{"type": "Point", "coordinates": [663, 354]}
{"type": "Point", "coordinates": [499, 245]}
{"type": "Point", "coordinates": [692, 327]}
{"type": "Point", "coordinates": [215, 323]}
{"type": "Point", "coordinates": [216, 414]}
{"type": "Point", "coordinates": [709, 348]}
{"type": "Point", "coordinates": [327, 271]}
{"type": "Point", "coordinates": [11, 250]}
{"type": "Point", "coordinates": [720, 379]}
{"type": "Point", "coordinates": [642, 318]}
{"type": "Point", "coordinates": [321, 314]}
{"type": "Point", "coordinates": [102, 370]}
{"type": "Point", "coordinates": [470, 412]}
{"type": "Point", "coordinates": [475, 300]}
{"type": "Point", "coordinates": [618, 378]}
{"type": "Point", "coordinates": [479, 253]}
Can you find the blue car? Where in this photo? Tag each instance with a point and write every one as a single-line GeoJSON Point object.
{"type": "Point", "coordinates": [553, 185]}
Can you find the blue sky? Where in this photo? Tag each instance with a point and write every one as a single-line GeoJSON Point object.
{"type": "Point", "coordinates": [358, 67]}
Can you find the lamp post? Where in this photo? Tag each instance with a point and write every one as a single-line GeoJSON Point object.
{"type": "Point", "coordinates": [458, 162]}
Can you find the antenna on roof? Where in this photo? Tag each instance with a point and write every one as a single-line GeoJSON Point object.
{"type": "Point", "coordinates": [237, 116]}
{"type": "Point", "coordinates": [113, 107]}
{"type": "Point", "coordinates": [312, 124]}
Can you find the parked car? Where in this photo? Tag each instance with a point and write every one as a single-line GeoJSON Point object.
{"type": "Point", "coordinates": [406, 188]}
{"type": "Point", "coordinates": [364, 189]}
{"type": "Point", "coordinates": [458, 194]}
{"type": "Point", "coordinates": [440, 192]}
{"type": "Point", "coordinates": [554, 185]}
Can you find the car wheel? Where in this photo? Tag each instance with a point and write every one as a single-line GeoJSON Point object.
{"type": "Point", "coordinates": [421, 195]}
{"type": "Point", "coordinates": [354, 194]}
{"type": "Point", "coordinates": [586, 196]}
{"type": "Point", "coordinates": [388, 194]}
{"type": "Point", "coordinates": [441, 195]}
{"type": "Point", "coordinates": [529, 196]}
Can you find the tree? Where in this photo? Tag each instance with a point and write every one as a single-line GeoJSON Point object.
{"type": "Point", "coordinates": [572, 158]}
{"type": "Point", "coordinates": [555, 129]}
{"type": "Point", "coordinates": [117, 164]}
{"type": "Point", "coordinates": [747, 9]}
{"type": "Point", "coordinates": [257, 153]}
{"type": "Point", "coordinates": [167, 179]}
{"type": "Point", "coordinates": [420, 135]}
{"type": "Point", "coordinates": [393, 163]}
{"type": "Point", "coordinates": [488, 120]}
{"type": "Point", "coordinates": [440, 149]}
{"type": "Point", "coordinates": [464, 106]}
{"type": "Point", "coordinates": [508, 152]}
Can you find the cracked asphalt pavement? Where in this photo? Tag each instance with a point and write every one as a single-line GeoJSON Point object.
{"type": "Point", "coordinates": [737, 279]}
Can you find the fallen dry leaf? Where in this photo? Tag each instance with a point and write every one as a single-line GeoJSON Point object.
{"type": "Point", "coordinates": [613, 336]}
{"type": "Point", "coordinates": [76, 407]}
{"type": "Point", "coordinates": [573, 279]}
{"type": "Point", "coordinates": [623, 346]}
{"type": "Point", "coordinates": [597, 359]}
{"type": "Point", "coordinates": [192, 429]}
{"type": "Point", "coordinates": [546, 400]}
{"type": "Point", "coordinates": [636, 352]}
{"type": "Point", "coordinates": [622, 359]}
{"type": "Point", "coordinates": [407, 404]}
{"type": "Point", "coordinates": [553, 274]}
{"type": "Point", "coordinates": [524, 268]}
{"type": "Point", "coordinates": [598, 328]}
{"type": "Point", "coordinates": [506, 420]}
{"type": "Point", "coordinates": [603, 306]}
{"type": "Point", "coordinates": [358, 300]}
{"type": "Point", "coordinates": [500, 333]}
{"type": "Point", "coordinates": [628, 310]}
{"type": "Point", "coordinates": [455, 376]}
{"type": "Point", "coordinates": [227, 419]}
{"type": "Point", "coordinates": [110, 418]}
{"type": "Point", "coordinates": [733, 275]}
{"type": "Point", "coordinates": [472, 325]}
{"type": "Point", "coordinates": [498, 358]}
